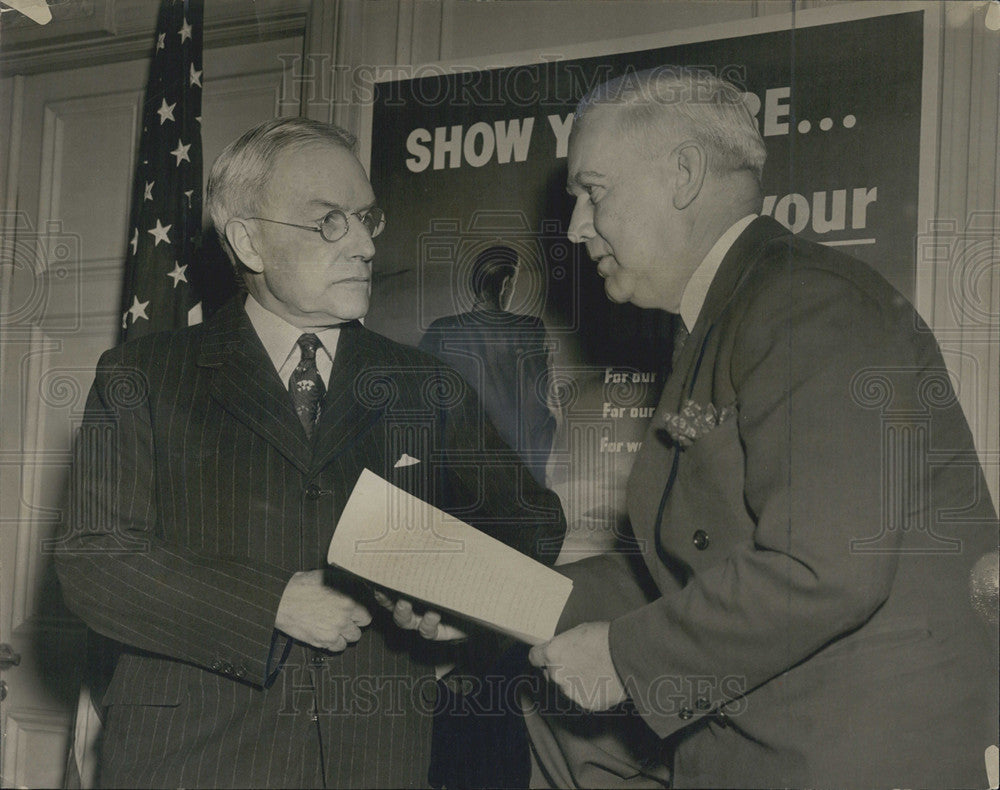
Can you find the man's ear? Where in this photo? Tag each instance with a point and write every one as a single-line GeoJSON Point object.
{"type": "Point", "coordinates": [507, 289]}
{"type": "Point", "coordinates": [240, 239]}
{"type": "Point", "coordinates": [690, 164]}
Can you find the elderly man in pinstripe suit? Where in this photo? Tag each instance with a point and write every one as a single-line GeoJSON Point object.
{"type": "Point", "coordinates": [214, 462]}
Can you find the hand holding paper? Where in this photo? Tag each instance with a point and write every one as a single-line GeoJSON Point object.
{"type": "Point", "coordinates": [428, 625]}
{"type": "Point", "coordinates": [579, 662]}
{"type": "Point", "coordinates": [397, 541]}
{"type": "Point", "coordinates": [319, 615]}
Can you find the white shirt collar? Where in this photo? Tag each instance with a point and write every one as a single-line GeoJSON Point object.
{"type": "Point", "coordinates": [693, 298]}
{"type": "Point", "coordinates": [280, 340]}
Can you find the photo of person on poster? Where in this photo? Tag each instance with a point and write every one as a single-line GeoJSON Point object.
{"type": "Point", "coordinates": [504, 355]}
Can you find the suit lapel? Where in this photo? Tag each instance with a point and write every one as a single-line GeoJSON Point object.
{"type": "Point", "coordinates": [737, 263]}
{"type": "Point", "coordinates": [351, 406]}
{"type": "Point", "coordinates": [246, 384]}
{"type": "Point", "coordinates": [647, 488]}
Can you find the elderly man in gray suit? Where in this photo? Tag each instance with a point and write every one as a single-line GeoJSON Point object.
{"type": "Point", "coordinates": [214, 462]}
{"type": "Point", "coordinates": [801, 613]}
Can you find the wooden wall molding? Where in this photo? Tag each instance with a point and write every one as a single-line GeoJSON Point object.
{"type": "Point", "coordinates": [107, 31]}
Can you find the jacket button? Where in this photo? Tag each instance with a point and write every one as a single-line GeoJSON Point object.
{"type": "Point", "coordinates": [700, 539]}
{"type": "Point", "coordinates": [702, 704]}
{"type": "Point", "coordinates": [227, 667]}
{"type": "Point", "coordinates": [313, 491]}
{"type": "Point", "coordinates": [241, 671]}
{"type": "Point", "coordinates": [686, 713]}
{"type": "Point", "coordinates": [216, 665]}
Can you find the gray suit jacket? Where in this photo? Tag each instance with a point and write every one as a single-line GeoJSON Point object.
{"type": "Point", "coordinates": [197, 494]}
{"type": "Point", "coordinates": [811, 622]}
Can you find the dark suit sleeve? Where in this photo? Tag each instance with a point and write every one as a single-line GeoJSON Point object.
{"type": "Point", "coordinates": [487, 485]}
{"type": "Point", "coordinates": [605, 586]}
{"type": "Point", "coordinates": [813, 459]}
{"type": "Point", "coordinates": [534, 379]}
{"type": "Point", "coordinates": [427, 343]}
{"type": "Point", "coordinates": [123, 579]}
{"type": "Point", "coordinates": [431, 340]}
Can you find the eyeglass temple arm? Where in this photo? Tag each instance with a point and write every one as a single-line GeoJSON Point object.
{"type": "Point", "coordinates": [289, 224]}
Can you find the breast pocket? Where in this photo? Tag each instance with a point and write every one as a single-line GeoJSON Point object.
{"type": "Point", "coordinates": [408, 457]}
{"type": "Point", "coordinates": [706, 513]}
{"type": "Point", "coordinates": [716, 461]}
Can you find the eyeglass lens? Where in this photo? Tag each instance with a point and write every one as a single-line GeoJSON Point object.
{"type": "Point", "coordinates": [334, 225]}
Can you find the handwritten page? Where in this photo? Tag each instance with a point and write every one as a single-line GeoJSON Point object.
{"type": "Point", "coordinates": [395, 540]}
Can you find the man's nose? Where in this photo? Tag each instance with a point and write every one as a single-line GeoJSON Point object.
{"type": "Point", "coordinates": [360, 239]}
{"type": "Point", "coordinates": [581, 224]}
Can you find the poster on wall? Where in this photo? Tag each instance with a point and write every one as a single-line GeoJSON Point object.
{"type": "Point", "coordinates": [464, 159]}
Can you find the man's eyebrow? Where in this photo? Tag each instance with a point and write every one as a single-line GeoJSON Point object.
{"type": "Point", "coordinates": [578, 179]}
{"type": "Point", "coordinates": [320, 203]}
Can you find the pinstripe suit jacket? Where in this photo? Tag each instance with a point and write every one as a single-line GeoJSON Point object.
{"type": "Point", "coordinates": [197, 495]}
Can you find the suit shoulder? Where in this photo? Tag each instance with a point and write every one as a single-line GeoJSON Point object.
{"type": "Point", "coordinates": [446, 322]}
{"type": "Point", "coordinates": [797, 290]}
{"type": "Point", "coordinates": [794, 271]}
{"type": "Point", "coordinates": [809, 261]}
{"type": "Point", "coordinates": [394, 352]}
{"type": "Point", "coordinates": [151, 349]}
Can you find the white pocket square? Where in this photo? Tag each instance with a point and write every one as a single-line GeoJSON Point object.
{"type": "Point", "coordinates": [405, 460]}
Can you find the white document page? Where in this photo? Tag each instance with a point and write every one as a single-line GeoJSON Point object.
{"type": "Point", "coordinates": [395, 540]}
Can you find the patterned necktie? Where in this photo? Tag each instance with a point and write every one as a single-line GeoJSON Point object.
{"type": "Point", "coordinates": [305, 383]}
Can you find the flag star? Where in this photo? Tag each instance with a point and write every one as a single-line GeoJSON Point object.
{"type": "Point", "coordinates": [134, 243]}
{"type": "Point", "coordinates": [177, 275]}
{"type": "Point", "coordinates": [181, 152]}
{"type": "Point", "coordinates": [160, 233]}
{"type": "Point", "coordinates": [125, 320]}
{"type": "Point", "coordinates": [166, 111]}
{"type": "Point", "coordinates": [161, 41]}
{"type": "Point", "coordinates": [148, 194]}
{"type": "Point", "coordinates": [188, 193]}
{"type": "Point", "coordinates": [138, 309]}
{"type": "Point", "coordinates": [198, 118]}
{"type": "Point", "coordinates": [185, 31]}
{"type": "Point", "coordinates": [195, 76]}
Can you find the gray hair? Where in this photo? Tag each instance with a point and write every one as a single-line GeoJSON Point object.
{"type": "Point", "coordinates": [713, 111]}
{"type": "Point", "coordinates": [240, 174]}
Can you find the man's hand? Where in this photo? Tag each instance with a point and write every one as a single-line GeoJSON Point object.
{"type": "Point", "coordinates": [315, 613]}
{"type": "Point", "coordinates": [579, 662]}
{"type": "Point", "coordinates": [428, 625]}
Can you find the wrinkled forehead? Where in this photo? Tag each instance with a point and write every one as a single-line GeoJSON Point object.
{"type": "Point", "coordinates": [596, 120]}
{"type": "Point", "coordinates": [595, 138]}
{"type": "Point", "coordinates": [319, 172]}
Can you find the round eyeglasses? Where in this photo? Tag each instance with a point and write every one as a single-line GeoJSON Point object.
{"type": "Point", "coordinates": [334, 226]}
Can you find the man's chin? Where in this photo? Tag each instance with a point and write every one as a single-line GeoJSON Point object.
{"type": "Point", "coordinates": [349, 310]}
{"type": "Point", "coordinates": [616, 293]}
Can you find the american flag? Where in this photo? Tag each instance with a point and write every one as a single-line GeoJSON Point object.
{"type": "Point", "coordinates": [165, 221]}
